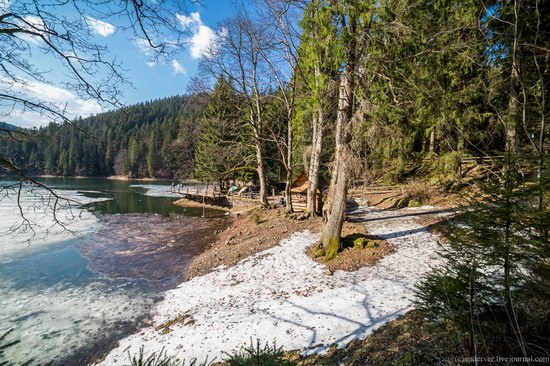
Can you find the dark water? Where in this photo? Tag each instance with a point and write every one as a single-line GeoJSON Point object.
{"type": "Point", "coordinates": [70, 301]}
{"type": "Point", "coordinates": [129, 197]}
{"type": "Point", "coordinates": [59, 263]}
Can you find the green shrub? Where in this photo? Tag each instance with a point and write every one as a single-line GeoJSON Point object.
{"type": "Point", "coordinates": [448, 166]}
{"type": "Point", "coordinates": [256, 219]}
{"type": "Point", "coordinates": [372, 244]}
{"type": "Point", "coordinates": [256, 355]}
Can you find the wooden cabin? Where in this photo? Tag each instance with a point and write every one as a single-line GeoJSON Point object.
{"type": "Point", "coordinates": [299, 192]}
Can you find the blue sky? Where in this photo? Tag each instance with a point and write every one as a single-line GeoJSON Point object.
{"type": "Point", "coordinates": [150, 80]}
{"type": "Point", "coordinates": [167, 79]}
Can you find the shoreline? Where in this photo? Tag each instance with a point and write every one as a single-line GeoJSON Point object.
{"type": "Point", "coordinates": [184, 202]}
{"type": "Point", "coordinates": [123, 177]}
{"type": "Point", "coordinates": [117, 177]}
{"type": "Point", "coordinates": [111, 177]}
{"type": "Point", "coordinates": [280, 294]}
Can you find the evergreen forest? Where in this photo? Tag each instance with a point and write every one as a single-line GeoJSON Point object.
{"type": "Point", "coordinates": [366, 92]}
{"type": "Point", "coordinates": [150, 139]}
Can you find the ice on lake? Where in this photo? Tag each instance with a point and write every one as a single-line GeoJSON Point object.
{"type": "Point", "coordinates": [51, 303]}
{"type": "Point", "coordinates": [28, 221]}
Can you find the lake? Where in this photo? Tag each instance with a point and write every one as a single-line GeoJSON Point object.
{"type": "Point", "coordinates": [69, 290]}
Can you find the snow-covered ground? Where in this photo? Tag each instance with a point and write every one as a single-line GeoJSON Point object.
{"type": "Point", "coordinates": [281, 295]}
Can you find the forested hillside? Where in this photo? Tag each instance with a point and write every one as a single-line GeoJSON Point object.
{"type": "Point", "coordinates": [151, 139]}
{"type": "Point", "coordinates": [372, 92]}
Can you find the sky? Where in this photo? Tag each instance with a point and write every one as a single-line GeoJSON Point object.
{"type": "Point", "coordinates": [150, 80]}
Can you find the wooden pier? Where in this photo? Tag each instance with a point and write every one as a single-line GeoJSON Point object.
{"type": "Point", "coordinates": [212, 195]}
{"type": "Point", "coordinates": [206, 195]}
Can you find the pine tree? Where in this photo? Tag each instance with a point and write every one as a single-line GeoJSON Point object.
{"type": "Point", "coordinates": [133, 157]}
{"type": "Point", "coordinates": [222, 150]}
{"type": "Point", "coordinates": [151, 155]}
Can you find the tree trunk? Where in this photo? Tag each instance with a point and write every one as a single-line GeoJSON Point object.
{"type": "Point", "coordinates": [261, 169]}
{"type": "Point", "coordinates": [540, 158]}
{"type": "Point", "coordinates": [513, 118]}
{"type": "Point", "coordinates": [432, 140]}
{"type": "Point", "coordinates": [288, 186]}
{"type": "Point", "coordinates": [317, 145]}
{"type": "Point", "coordinates": [314, 164]}
{"type": "Point", "coordinates": [336, 210]}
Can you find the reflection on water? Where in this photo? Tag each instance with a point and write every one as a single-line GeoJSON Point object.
{"type": "Point", "coordinates": [70, 308]}
{"type": "Point", "coordinates": [127, 197]}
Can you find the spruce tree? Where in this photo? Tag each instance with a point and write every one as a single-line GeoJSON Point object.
{"type": "Point", "coordinates": [497, 267]}
{"type": "Point", "coordinates": [222, 150]}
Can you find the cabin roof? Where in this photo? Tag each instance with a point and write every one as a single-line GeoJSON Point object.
{"type": "Point", "coordinates": [303, 179]}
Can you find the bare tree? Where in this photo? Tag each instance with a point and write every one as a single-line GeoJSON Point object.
{"type": "Point", "coordinates": [282, 60]}
{"type": "Point", "coordinates": [239, 56]}
{"type": "Point", "coordinates": [63, 32]}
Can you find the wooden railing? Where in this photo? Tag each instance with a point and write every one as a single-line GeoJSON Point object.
{"type": "Point", "coordinates": [212, 192]}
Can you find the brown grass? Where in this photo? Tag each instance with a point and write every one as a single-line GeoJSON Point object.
{"type": "Point", "coordinates": [408, 340]}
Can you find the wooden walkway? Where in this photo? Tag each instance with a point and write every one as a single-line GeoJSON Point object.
{"type": "Point", "coordinates": [199, 192]}
{"type": "Point", "coordinates": [214, 196]}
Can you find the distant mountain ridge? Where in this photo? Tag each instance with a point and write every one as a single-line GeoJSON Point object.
{"type": "Point", "coordinates": [7, 126]}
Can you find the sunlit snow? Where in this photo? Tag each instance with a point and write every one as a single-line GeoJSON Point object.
{"type": "Point", "coordinates": [281, 295]}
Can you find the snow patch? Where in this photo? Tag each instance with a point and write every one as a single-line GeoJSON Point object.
{"type": "Point", "coordinates": [155, 190]}
{"type": "Point", "coordinates": [281, 295]}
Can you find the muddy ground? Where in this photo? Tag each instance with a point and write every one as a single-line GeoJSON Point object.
{"type": "Point", "coordinates": [150, 247]}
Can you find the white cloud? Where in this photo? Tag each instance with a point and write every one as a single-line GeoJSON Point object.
{"type": "Point", "coordinates": [53, 96]}
{"type": "Point", "coordinates": [202, 42]}
{"type": "Point", "coordinates": [189, 21]}
{"type": "Point", "coordinates": [203, 37]}
{"type": "Point", "coordinates": [143, 46]}
{"type": "Point", "coordinates": [60, 96]}
{"type": "Point", "coordinates": [33, 24]}
{"type": "Point", "coordinates": [177, 68]}
{"type": "Point", "coordinates": [100, 27]}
